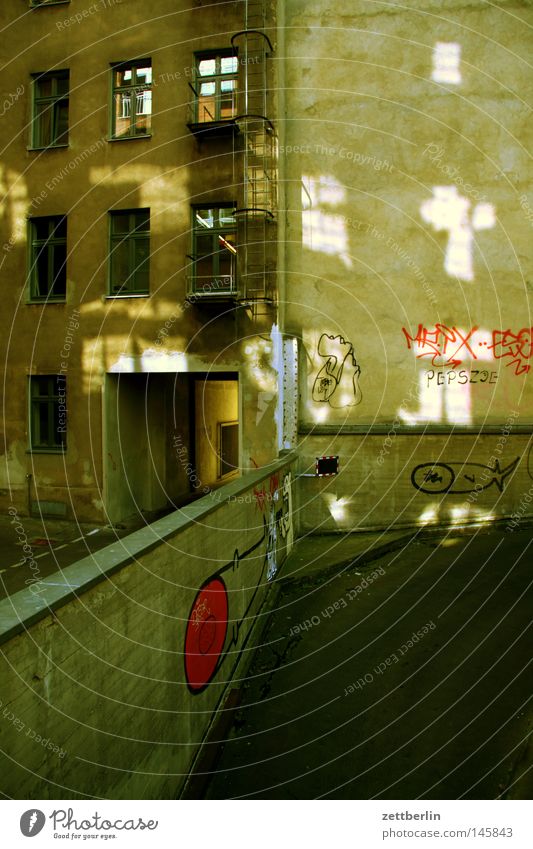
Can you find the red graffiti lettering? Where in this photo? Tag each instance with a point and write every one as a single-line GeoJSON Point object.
{"type": "Point", "coordinates": [441, 342]}
{"type": "Point", "coordinates": [517, 347]}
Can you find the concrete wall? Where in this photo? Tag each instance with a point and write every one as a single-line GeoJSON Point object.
{"type": "Point", "coordinates": [107, 686]}
{"type": "Point", "coordinates": [408, 268]}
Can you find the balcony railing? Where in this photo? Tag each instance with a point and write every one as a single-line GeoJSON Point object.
{"type": "Point", "coordinates": [212, 115]}
{"type": "Point", "coordinates": [209, 287]}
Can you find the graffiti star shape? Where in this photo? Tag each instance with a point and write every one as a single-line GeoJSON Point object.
{"type": "Point", "coordinates": [337, 382]}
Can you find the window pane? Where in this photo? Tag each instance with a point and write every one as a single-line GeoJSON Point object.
{"type": "Point", "coordinates": [122, 114]}
{"type": "Point", "coordinates": [144, 76]}
{"type": "Point", "coordinates": [120, 270]}
{"type": "Point", "coordinates": [122, 77]}
{"type": "Point", "coordinates": [227, 216]}
{"type": "Point", "coordinates": [59, 266]}
{"type": "Point", "coordinates": [43, 87]}
{"type": "Point", "coordinates": [41, 273]}
{"type": "Point", "coordinates": [62, 85]}
{"type": "Point", "coordinates": [207, 67]}
{"type": "Point", "coordinates": [61, 130]}
{"type": "Point", "coordinates": [41, 228]}
{"type": "Point", "coordinates": [59, 227]}
{"type": "Point", "coordinates": [144, 102]}
{"type": "Point", "coordinates": [229, 64]}
{"type": "Point", "coordinates": [141, 220]}
{"type": "Point", "coordinates": [204, 246]}
{"type": "Point", "coordinates": [120, 222]}
{"type": "Point", "coordinates": [205, 219]}
{"type": "Point", "coordinates": [142, 264]}
{"type": "Point", "coordinates": [43, 124]}
{"type": "Point", "coordinates": [228, 85]}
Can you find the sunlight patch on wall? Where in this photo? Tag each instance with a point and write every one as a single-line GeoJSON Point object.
{"type": "Point", "coordinates": [322, 230]}
{"type": "Point", "coordinates": [449, 211]}
{"type": "Point", "coordinates": [446, 63]}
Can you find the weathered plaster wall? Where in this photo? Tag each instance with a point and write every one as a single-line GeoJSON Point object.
{"type": "Point", "coordinates": [122, 679]}
{"type": "Point", "coordinates": [409, 223]}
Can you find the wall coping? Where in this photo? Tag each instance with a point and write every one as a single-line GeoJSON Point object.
{"type": "Point", "coordinates": [24, 608]}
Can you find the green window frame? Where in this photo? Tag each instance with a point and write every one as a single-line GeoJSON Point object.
{"type": "Point", "coordinates": [129, 252]}
{"type": "Point", "coordinates": [131, 99]}
{"type": "Point", "coordinates": [36, 3]}
{"type": "Point", "coordinates": [48, 413]}
{"type": "Point", "coordinates": [215, 85]}
{"type": "Point", "coordinates": [48, 258]}
{"type": "Point", "coordinates": [50, 109]}
{"type": "Point", "coordinates": [214, 252]}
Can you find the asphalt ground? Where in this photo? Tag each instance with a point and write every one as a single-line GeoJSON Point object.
{"type": "Point", "coordinates": [406, 677]}
{"type": "Point", "coordinates": [33, 549]}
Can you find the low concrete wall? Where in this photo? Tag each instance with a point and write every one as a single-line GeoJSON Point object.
{"type": "Point", "coordinates": [112, 669]}
{"type": "Point", "coordinates": [390, 477]}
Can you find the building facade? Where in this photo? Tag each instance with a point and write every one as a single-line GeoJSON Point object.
{"type": "Point", "coordinates": [139, 254]}
{"type": "Point", "coordinates": [237, 228]}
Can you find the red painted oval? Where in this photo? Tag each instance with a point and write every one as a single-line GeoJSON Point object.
{"type": "Point", "coordinates": [206, 634]}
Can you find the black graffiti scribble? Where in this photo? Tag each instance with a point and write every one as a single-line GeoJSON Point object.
{"type": "Point", "coordinates": [337, 382]}
{"type": "Point", "coordinates": [460, 478]}
{"type": "Point", "coordinates": [211, 633]}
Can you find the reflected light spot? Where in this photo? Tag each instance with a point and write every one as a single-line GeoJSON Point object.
{"type": "Point", "coordinates": [449, 211]}
{"type": "Point", "coordinates": [429, 515]}
{"type": "Point", "coordinates": [446, 62]}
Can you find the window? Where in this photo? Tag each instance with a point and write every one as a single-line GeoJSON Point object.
{"type": "Point", "coordinates": [129, 268]}
{"type": "Point", "coordinates": [216, 86]}
{"type": "Point", "coordinates": [48, 258]}
{"type": "Point", "coordinates": [132, 99]}
{"type": "Point", "coordinates": [50, 109]}
{"type": "Point", "coordinates": [48, 412]}
{"type": "Point", "coordinates": [214, 251]}
{"type": "Point", "coordinates": [228, 440]}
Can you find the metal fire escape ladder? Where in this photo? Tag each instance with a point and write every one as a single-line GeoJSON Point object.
{"type": "Point", "coordinates": [257, 207]}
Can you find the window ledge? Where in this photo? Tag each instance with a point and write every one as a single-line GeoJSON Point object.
{"type": "Point", "coordinates": [56, 451]}
{"type": "Point", "coordinates": [127, 295]}
{"type": "Point", "coordinates": [49, 3]}
{"type": "Point", "coordinates": [129, 138]}
{"type": "Point", "coordinates": [49, 147]}
{"type": "Point", "coordinates": [33, 302]}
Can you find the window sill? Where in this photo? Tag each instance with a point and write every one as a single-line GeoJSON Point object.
{"type": "Point", "coordinates": [56, 451]}
{"type": "Point", "coordinates": [33, 302]}
{"type": "Point", "coordinates": [50, 3]}
{"type": "Point", "coordinates": [145, 136]}
{"type": "Point", "coordinates": [48, 147]}
{"type": "Point", "coordinates": [126, 295]}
